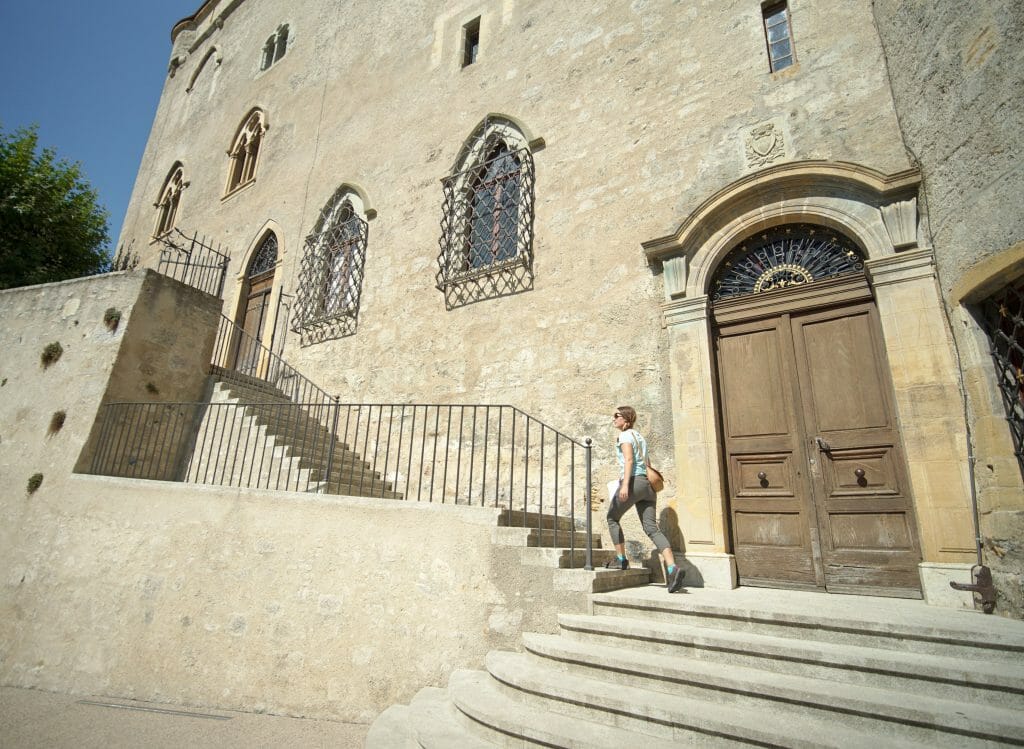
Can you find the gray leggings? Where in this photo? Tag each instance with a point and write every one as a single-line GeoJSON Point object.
{"type": "Point", "coordinates": [643, 497]}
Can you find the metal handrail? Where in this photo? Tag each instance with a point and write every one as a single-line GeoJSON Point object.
{"type": "Point", "coordinates": [236, 351]}
{"type": "Point", "coordinates": [482, 455]}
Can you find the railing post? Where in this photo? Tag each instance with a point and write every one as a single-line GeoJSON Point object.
{"type": "Point", "coordinates": [331, 443]}
{"type": "Point", "coordinates": [589, 563]}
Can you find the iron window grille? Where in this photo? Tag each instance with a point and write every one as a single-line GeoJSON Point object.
{"type": "Point", "coordinates": [486, 244]}
{"type": "Point", "coordinates": [331, 275]}
{"type": "Point", "coordinates": [1002, 316]}
{"type": "Point", "coordinates": [265, 258]}
{"type": "Point", "coordinates": [783, 257]}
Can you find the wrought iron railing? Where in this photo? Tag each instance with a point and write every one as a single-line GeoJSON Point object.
{"type": "Point", "coordinates": [234, 350]}
{"type": "Point", "coordinates": [496, 456]}
{"type": "Point", "coordinates": [193, 262]}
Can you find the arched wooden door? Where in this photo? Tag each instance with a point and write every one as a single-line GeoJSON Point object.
{"type": "Point", "coordinates": [817, 481]}
{"type": "Point", "coordinates": [259, 283]}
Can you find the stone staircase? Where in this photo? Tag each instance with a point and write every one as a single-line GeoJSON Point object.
{"type": "Point", "coordinates": [299, 439]}
{"type": "Point", "coordinates": [729, 668]}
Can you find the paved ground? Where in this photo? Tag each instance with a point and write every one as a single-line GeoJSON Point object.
{"type": "Point", "coordinates": [31, 719]}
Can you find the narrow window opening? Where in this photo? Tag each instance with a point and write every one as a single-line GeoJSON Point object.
{"type": "Point", "coordinates": [282, 43]}
{"type": "Point", "coordinates": [779, 36]}
{"type": "Point", "coordinates": [268, 54]}
{"type": "Point", "coordinates": [471, 42]}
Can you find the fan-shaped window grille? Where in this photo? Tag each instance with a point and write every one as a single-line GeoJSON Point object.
{"type": "Point", "coordinates": [331, 275]}
{"type": "Point", "coordinates": [784, 257]}
{"type": "Point", "coordinates": [265, 258]}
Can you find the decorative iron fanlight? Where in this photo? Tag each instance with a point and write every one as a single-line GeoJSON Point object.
{"type": "Point", "coordinates": [784, 257]}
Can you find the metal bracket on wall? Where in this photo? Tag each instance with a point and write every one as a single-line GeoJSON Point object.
{"type": "Point", "coordinates": [982, 585]}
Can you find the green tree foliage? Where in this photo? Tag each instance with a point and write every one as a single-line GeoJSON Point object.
{"type": "Point", "coordinates": [51, 226]}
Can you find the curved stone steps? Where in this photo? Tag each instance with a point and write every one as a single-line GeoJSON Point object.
{"type": "Point", "coordinates": [999, 683]}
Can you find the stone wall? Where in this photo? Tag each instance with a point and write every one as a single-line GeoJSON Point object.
{"type": "Point", "coordinates": [297, 604]}
{"type": "Point", "coordinates": [157, 348]}
{"type": "Point", "coordinates": [956, 85]}
{"type": "Point", "coordinates": [956, 77]}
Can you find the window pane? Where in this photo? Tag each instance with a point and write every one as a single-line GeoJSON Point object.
{"type": "Point", "coordinates": [782, 62]}
{"type": "Point", "coordinates": [775, 16]}
{"type": "Point", "coordinates": [781, 49]}
{"type": "Point", "coordinates": [775, 33]}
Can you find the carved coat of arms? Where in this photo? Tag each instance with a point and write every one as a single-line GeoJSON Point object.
{"type": "Point", "coordinates": [764, 145]}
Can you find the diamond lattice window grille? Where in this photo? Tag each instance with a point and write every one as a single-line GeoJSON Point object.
{"type": "Point", "coordinates": [331, 275]}
{"type": "Point", "coordinates": [486, 244]}
{"type": "Point", "coordinates": [783, 257]}
{"type": "Point", "coordinates": [1003, 321]}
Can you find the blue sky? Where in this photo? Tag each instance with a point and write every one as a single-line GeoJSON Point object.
{"type": "Point", "coordinates": [89, 73]}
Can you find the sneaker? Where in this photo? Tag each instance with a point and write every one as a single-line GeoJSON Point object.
{"type": "Point", "coordinates": [675, 580]}
{"type": "Point", "coordinates": [617, 564]}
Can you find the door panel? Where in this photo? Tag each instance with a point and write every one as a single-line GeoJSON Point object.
{"type": "Point", "coordinates": [257, 307]}
{"type": "Point", "coordinates": [869, 537]}
{"type": "Point", "coordinates": [770, 502]}
{"type": "Point", "coordinates": [816, 474]}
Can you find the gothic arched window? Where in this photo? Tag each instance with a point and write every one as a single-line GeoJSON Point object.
{"type": "Point", "coordinates": [275, 47]}
{"type": "Point", "coordinates": [245, 151]}
{"type": "Point", "coordinates": [170, 197]}
{"type": "Point", "coordinates": [487, 223]}
{"type": "Point", "coordinates": [331, 275]}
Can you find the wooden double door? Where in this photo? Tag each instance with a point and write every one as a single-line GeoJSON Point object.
{"type": "Point", "coordinates": [249, 346]}
{"type": "Point", "coordinates": [817, 482]}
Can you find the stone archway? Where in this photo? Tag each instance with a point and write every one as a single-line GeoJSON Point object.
{"type": "Point", "coordinates": [878, 211]}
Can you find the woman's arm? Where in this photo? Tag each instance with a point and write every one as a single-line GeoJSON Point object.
{"type": "Point", "coordinates": [627, 470]}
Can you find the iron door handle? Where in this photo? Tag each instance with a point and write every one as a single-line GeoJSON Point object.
{"type": "Point", "coordinates": [823, 445]}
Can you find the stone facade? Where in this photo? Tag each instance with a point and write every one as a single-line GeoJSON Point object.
{"type": "Point", "coordinates": [660, 140]}
{"type": "Point", "coordinates": [956, 88]}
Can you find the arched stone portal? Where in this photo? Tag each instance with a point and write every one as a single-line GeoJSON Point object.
{"type": "Point", "coordinates": [877, 212]}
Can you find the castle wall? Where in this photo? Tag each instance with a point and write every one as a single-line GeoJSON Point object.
{"type": "Point", "coordinates": [645, 109]}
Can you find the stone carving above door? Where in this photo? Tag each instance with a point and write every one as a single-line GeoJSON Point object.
{"type": "Point", "coordinates": [763, 144]}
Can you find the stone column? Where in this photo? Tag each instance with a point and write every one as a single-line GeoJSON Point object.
{"type": "Point", "coordinates": [930, 409]}
{"type": "Point", "coordinates": [699, 503]}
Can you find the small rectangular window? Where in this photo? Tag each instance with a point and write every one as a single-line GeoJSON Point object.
{"type": "Point", "coordinates": [778, 35]}
{"type": "Point", "coordinates": [470, 42]}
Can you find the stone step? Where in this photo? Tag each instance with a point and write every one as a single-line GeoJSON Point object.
{"type": "Point", "coordinates": [993, 682]}
{"type": "Point", "coordinates": [547, 521]}
{"type": "Point", "coordinates": [353, 490]}
{"type": "Point", "coordinates": [251, 395]}
{"type": "Point", "coordinates": [490, 714]}
{"type": "Point", "coordinates": [600, 580]}
{"type": "Point", "coordinates": [680, 718]}
{"type": "Point", "coordinates": [565, 558]}
{"type": "Point", "coordinates": [864, 708]}
{"type": "Point", "coordinates": [436, 722]}
{"type": "Point", "coordinates": [888, 623]}
{"type": "Point", "coordinates": [533, 537]}
{"type": "Point", "coordinates": [392, 729]}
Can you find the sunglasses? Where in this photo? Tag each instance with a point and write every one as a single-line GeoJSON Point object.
{"type": "Point", "coordinates": [617, 415]}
